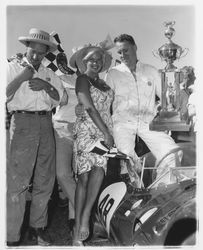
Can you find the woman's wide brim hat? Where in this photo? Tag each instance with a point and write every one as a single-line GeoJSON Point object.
{"type": "Point", "coordinates": [76, 60]}
{"type": "Point", "coordinates": [39, 36]}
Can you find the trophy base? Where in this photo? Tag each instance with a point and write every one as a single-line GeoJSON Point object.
{"type": "Point", "coordinates": [172, 124]}
{"type": "Point", "coordinates": [172, 116]}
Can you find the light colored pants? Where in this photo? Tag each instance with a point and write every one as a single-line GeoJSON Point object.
{"type": "Point", "coordinates": [159, 143]}
{"type": "Point", "coordinates": [31, 154]}
{"type": "Point", "coordinates": [64, 170]}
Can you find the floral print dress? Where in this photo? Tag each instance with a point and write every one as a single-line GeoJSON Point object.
{"type": "Point", "coordinates": [86, 133]}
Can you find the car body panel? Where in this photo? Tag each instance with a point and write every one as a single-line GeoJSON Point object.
{"type": "Point", "coordinates": [145, 216]}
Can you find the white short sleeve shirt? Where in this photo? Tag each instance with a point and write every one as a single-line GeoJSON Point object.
{"type": "Point", "coordinates": [26, 99]}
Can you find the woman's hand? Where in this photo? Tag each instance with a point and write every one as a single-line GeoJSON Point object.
{"type": "Point", "coordinates": [108, 140]}
{"type": "Point", "coordinates": [79, 110]}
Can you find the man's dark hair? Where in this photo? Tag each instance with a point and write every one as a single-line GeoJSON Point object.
{"type": "Point", "coordinates": [125, 38]}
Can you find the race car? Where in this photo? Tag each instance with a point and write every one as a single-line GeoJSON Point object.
{"type": "Point", "coordinates": [154, 215]}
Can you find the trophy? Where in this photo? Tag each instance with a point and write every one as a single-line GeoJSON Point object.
{"type": "Point", "coordinates": [169, 116]}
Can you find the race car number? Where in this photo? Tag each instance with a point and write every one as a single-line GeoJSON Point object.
{"type": "Point", "coordinates": [109, 201]}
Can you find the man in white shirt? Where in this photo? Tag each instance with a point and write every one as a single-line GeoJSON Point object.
{"type": "Point", "coordinates": [32, 92]}
{"type": "Point", "coordinates": [135, 86]}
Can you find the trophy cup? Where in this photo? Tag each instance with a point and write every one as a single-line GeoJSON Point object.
{"type": "Point", "coordinates": [169, 116]}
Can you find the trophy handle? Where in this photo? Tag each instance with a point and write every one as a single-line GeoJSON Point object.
{"type": "Point", "coordinates": [184, 53]}
{"type": "Point", "coordinates": [156, 54]}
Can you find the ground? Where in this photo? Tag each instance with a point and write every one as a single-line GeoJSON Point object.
{"type": "Point", "coordinates": [58, 227]}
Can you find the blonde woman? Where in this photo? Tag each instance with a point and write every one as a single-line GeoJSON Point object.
{"type": "Point", "coordinates": [93, 125]}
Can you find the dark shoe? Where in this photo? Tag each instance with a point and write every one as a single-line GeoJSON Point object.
{"type": "Point", "coordinates": [40, 236]}
{"type": "Point", "coordinates": [63, 202]}
{"type": "Point", "coordinates": [71, 223]}
{"type": "Point", "coordinates": [13, 243]}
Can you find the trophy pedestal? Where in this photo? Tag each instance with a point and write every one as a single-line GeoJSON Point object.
{"type": "Point", "coordinates": [169, 121]}
{"type": "Point", "coordinates": [169, 116]}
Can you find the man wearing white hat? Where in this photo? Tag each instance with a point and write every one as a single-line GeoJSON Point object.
{"type": "Point", "coordinates": [32, 92]}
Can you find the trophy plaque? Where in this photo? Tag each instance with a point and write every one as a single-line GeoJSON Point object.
{"type": "Point", "coordinates": [169, 116]}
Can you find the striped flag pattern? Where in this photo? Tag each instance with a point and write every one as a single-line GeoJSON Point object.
{"type": "Point", "coordinates": [100, 148]}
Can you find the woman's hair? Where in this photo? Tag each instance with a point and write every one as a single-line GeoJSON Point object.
{"type": "Point", "coordinates": [189, 71]}
{"type": "Point", "coordinates": [125, 38]}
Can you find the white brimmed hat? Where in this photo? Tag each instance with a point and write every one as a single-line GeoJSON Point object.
{"type": "Point", "coordinates": [79, 54]}
{"type": "Point", "coordinates": [38, 36]}
{"type": "Point", "coordinates": [76, 60]}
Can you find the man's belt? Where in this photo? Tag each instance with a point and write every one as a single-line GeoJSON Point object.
{"type": "Point", "coordinates": [41, 112]}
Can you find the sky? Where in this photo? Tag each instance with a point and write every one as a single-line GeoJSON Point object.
{"type": "Point", "coordinates": [81, 24]}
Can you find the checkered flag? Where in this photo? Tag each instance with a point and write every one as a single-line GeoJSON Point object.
{"type": "Point", "coordinates": [57, 60]}
{"type": "Point", "coordinates": [100, 148]}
